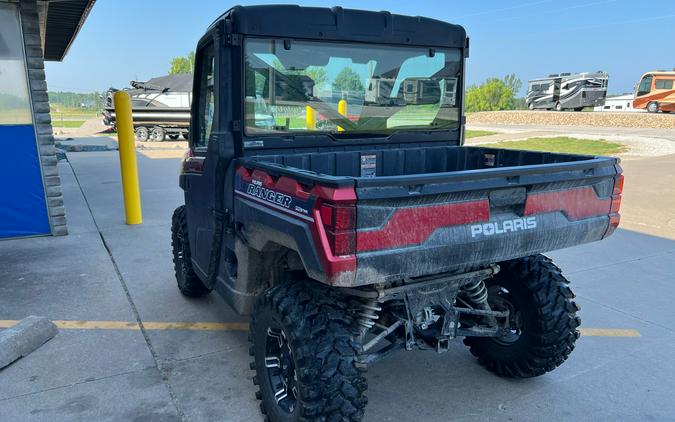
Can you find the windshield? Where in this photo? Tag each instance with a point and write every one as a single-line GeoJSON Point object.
{"type": "Point", "coordinates": [343, 88]}
{"type": "Point", "coordinates": [645, 86]}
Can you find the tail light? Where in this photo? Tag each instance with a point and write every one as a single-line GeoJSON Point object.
{"type": "Point", "coordinates": [614, 216]}
{"type": "Point", "coordinates": [339, 221]}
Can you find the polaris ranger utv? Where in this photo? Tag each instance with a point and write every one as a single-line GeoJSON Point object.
{"type": "Point", "coordinates": [350, 229]}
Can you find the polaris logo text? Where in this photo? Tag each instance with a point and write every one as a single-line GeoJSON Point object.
{"type": "Point", "coordinates": [269, 195]}
{"type": "Point", "coordinates": [517, 224]}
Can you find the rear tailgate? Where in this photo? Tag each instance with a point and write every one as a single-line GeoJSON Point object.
{"type": "Point", "coordinates": [415, 225]}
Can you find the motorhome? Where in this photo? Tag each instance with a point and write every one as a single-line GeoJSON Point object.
{"type": "Point", "coordinates": [567, 91]}
{"type": "Point", "coordinates": [656, 92]}
{"type": "Point", "coordinates": [415, 91]}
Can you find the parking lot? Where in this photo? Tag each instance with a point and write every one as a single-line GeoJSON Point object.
{"type": "Point", "coordinates": [130, 347]}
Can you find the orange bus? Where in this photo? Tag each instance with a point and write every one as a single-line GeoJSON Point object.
{"type": "Point", "coordinates": [656, 92]}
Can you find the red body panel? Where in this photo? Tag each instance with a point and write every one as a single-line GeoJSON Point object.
{"type": "Point", "coordinates": [411, 226]}
{"type": "Point", "coordinates": [575, 203]}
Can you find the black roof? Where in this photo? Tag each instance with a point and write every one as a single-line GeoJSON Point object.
{"type": "Point", "coordinates": [342, 25]}
{"type": "Point", "coordinates": [64, 20]}
{"type": "Point", "coordinates": [181, 82]}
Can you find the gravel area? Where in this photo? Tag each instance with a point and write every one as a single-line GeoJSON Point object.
{"type": "Point", "coordinates": [601, 119]}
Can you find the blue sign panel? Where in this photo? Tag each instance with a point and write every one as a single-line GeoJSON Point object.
{"type": "Point", "coordinates": [23, 210]}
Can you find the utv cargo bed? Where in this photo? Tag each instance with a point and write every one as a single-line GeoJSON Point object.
{"type": "Point", "coordinates": [427, 210]}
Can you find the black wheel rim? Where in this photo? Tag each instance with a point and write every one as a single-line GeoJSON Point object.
{"type": "Point", "coordinates": [501, 299]}
{"type": "Point", "coordinates": [280, 369]}
{"type": "Point", "coordinates": [180, 256]}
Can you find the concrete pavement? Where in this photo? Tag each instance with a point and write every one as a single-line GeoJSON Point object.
{"type": "Point", "coordinates": [107, 271]}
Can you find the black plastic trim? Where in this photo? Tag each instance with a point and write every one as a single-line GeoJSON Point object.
{"type": "Point", "coordinates": [248, 212]}
{"type": "Point", "coordinates": [302, 176]}
{"type": "Point", "coordinates": [292, 21]}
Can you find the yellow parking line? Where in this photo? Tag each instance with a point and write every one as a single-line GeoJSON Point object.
{"type": "Point", "coordinates": [197, 326]}
{"type": "Point", "coordinates": [96, 325]}
{"type": "Point", "coordinates": [608, 332]}
{"type": "Point", "coordinates": [243, 326]}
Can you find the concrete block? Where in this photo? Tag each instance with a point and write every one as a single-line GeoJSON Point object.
{"type": "Point", "coordinates": [34, 51]}
{"type": "Point", "coordinates": [47, 150]}
{"type": "Point", "coordinates": [56, 201]}
{"type": "Point", "coordinates": [29, 23]}
{"type": "Point", "coordinates": [23, 338]}
{"type": "Point", "coordinates": [41, 107]}
{"type": "Point", "coordinates": [50, 170]}
{"type": "Point", "coordinates": [57, 211]}
{"type": "Point", "coordinates": [40, 96]}
{"type": "Point", "coordinates": [49, 161]}
{"type": "Point", "coordinates": [32, 39]}
{"type": "Point", "coordinates": [60, 230]}
{"type": "Point", "coordinates": [46, 139]}
{"type": "Point", "coordinates": [43, 118]}
{"type": "Point", "coordinates": [27, 7]}
{"type": "Point", "coordinates": [35, 63]}
{"type": "Point", "coordinates": [36, 74]}
{"type": "Point", "coordinates": [53, 181]}
{"type": "Point", "coordinates": [54, 191]}
{"type": "Point", "coordinates": [58, 220]}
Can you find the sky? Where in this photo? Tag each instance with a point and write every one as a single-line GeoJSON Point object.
{"type": "Point", "coordinates": [124, 40]}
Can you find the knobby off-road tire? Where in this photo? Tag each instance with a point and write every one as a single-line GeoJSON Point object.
{"type": "Point", "coordinates": [188, 282]}
{"type": "Point", "coordinates": [303, 342]}
{"type": "Point", "coordinates": [541, 302]}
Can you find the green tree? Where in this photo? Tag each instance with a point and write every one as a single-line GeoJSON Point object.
{"type": "Point", "coordinates": [318, 74]}
{"type": "Point", "coordinates": [347, 80]}
{"type": "Point", "coordinates": [184, 64]}
{"type": "Point", "coordinates": [493, 94]}
{"type": "Point", "coordinates": [513, 83]}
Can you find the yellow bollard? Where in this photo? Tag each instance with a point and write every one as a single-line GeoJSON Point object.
{"type": "Point", "coordinates": [342, 109]}
{"type": "Point", "coordinates": [128, 166]}
{"type": "Point", "coordinates": [310, 118]}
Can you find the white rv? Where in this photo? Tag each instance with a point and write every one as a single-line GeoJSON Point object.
{"type": "Point", "coordinates": [567, 91]}
{"type": "Point", "coordinates": [618, 103]}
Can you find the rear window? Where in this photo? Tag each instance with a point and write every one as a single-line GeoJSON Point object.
{"type": "Point", "coordinates": [294, 86]}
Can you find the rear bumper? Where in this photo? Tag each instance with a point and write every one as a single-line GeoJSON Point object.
{"type": "Point", "coordinates": [457, 249]}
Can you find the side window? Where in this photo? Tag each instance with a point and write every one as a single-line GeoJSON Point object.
{"type": "Point", "coordinates": [664, 84]}
{"type": "Point", "coordinates": [205, 96]}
